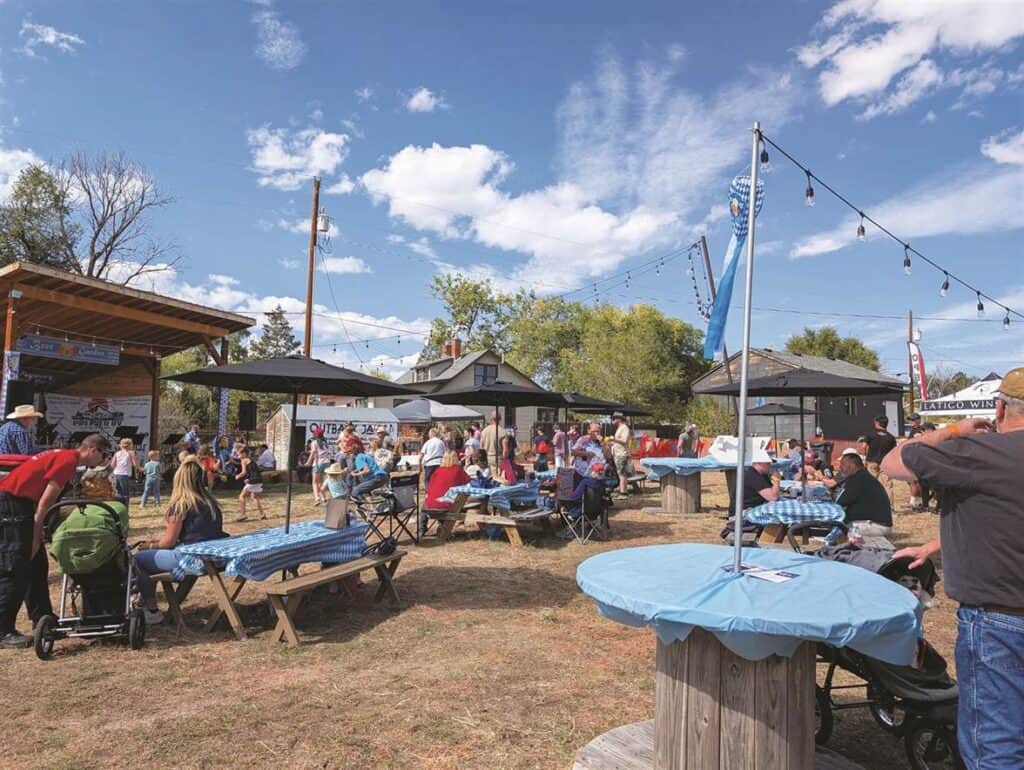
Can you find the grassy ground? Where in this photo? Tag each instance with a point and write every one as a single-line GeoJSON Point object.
{"type": "Point", "coordinates": [494, 660]}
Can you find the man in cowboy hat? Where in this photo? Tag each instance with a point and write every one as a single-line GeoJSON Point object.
{"type": "Point", "coordinates": [16, 433]}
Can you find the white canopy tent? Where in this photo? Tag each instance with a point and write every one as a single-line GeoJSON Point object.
{"type": "Point", "coordinates": [427, 410]}
{"type": "Point", "coordinates": [977, 400]}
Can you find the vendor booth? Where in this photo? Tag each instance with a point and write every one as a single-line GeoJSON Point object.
{"type": "Point", "coordinates": [87, 352]}
{"type": "Point", "coordinates": [977, 400]}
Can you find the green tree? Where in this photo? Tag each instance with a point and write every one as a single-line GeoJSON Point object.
{"type": "Point", "coordinates": [827, 343]}
{"type": "Point", "coordinates": [35, 222]}
{"type": "Point", "coordinates": [277, 338]}
{"type": "Point", "coordinates": [542, 333]}
{"type": "Point", "coordinates": [942, 382]}
{"type": "Point", "coordinates": [473, 310]}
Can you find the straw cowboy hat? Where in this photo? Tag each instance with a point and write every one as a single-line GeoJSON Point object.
{"type": "Point", "coordinates": [335, 470]}
{"type": "Point", "coordinates": [24, 410]}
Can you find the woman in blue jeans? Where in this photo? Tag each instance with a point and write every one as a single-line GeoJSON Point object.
{"type": "Point", "coordinates": [193, 516]}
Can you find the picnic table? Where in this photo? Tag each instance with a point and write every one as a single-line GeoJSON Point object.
{"type": "Point", "coordinates": [503, 507]}
{"type": "Point", "coordinates": [257, 556]}
{"type": "Point", "coordinates": [680, 479]}
{"type": "Point", "coordinates": [778, 516]}
{"type": "Point", "coordinates": [735, 660]}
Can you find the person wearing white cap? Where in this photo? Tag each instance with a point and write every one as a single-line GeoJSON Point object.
{"type": "Point", "coordinates": [759, 486]}
{"type": "Point", "coordinates": [16, 433]}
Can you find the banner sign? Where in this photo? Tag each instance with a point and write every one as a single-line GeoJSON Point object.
{"type": "Point", "coordinates": [917, 364]}
{"type": "Point", "coordinates": [86, 352]}
{"type": "Point", "coordinates": [12, 371]}
{"type": "Point", "coordinates": [966, 406]}
{"type": "Point", "coordinates": [739, 202]}
{"type": "Point", "coordinates": [364, 430]}
{"type": "Point", "coordinates": [96, 414]}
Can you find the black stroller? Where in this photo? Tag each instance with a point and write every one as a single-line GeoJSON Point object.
{"type": "Point", "coordinates": [95, 602]}
{"type": "Point", "coordinates": [918, 703]}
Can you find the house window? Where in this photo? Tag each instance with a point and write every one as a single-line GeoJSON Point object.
{"type": "Point", "coordinates": [851, 406]}
{"type": "Point", "coordinates": [485, 374]}
{"type": "Point", "coordinates": [546, 415]}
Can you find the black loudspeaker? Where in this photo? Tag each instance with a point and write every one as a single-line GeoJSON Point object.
{"type": "Point", "coordinates": [19, 392]}
{"type": "Point", "coordinates": [247, 415]}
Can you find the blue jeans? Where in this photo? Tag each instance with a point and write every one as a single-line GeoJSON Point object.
{"type": "Point", "coordinates": [151, 489]}
{"type": "Point", "coordinates": [124, 486]}
{"type": "Point", "coordinates": [372, 483]}
{"type": "Point", "coordinates": [152, 562]}
{"type": "Point", "coordinates": [990, 672]}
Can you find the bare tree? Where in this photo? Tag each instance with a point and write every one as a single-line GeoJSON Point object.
{"type": "Point", "coordinates": [115, 197]}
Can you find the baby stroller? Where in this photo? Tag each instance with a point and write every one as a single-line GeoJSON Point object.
{"type": "Point", "coordinates": [90, 548]}
{"type": "Point", "coordinates": [916, 703]}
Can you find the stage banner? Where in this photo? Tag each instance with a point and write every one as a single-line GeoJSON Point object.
{"type": "Point", "coordinates": [96, 414]}
{"type": "Point", "coordinates": [332, 429]}
{"type": "Point", "coordinates": [739, 201]}
{"type": "Point", "coordinates": [68, 350]}
{"type": "Point", "coordinates": [917, 363]}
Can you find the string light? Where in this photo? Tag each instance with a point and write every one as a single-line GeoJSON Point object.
{"type": "Point", "coordinates": [809, 192]}
{"type": "Point", "coordinates": [766, 164]}
{"type": "Point", "coordinates": [1006, 322]}
{"type": "Point", "coordinates": [981, 307]}
{"type": "Point", "coordinates": [944, 289]}
{"type": "Point", "coordinates": [861, 232]}
{"type": "Point", "coordinates": [906, 259]}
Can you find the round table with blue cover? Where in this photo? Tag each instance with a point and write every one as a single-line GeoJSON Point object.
{"type": "Point", "coordinates": [734, 681]}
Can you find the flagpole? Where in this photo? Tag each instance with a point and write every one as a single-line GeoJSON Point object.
{"type": "Point", "coordinates": [741, 444]}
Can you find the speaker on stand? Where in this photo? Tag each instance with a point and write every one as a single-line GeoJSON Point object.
{"type": "Point", "coordinates": [247, 415]}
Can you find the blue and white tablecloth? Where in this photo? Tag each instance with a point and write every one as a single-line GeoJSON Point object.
{"type": "Point", "coordinates": [258, 555]}
{"type": "Point", "coordinates": [545, 475]}
{"type": "Point", "coordinates": [676, 588]}
{"type": "Point", "coordinates": [503, 497]}
{"type": "Point", "coordinates": [794, 512]}
{"type": "Point", "coordinates": [815, 492]}
{"type": "Point", "coordinates": [684, 466]}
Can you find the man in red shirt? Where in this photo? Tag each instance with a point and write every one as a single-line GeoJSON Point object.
{"type": "Point", "coordinates": [25, 495]}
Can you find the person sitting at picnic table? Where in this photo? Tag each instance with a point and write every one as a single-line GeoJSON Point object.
{"type": "Point", "coordinates": [586, 451]}
{"type": "Point", "coordinates": [16, 433]}
{"type": "Point", "coordinates": [334, 483]}
{"type": "Point", "coordinates": [449, 474]}
{"type": "Point", "coordinates": [864, 498]}
{"type": "Point", "coordinates": [795, 457]}
{"type": "Point", "coordinates": [366, 473]}
{"type": "Point", "coordinates": [266, 460]}
{"type": "Point", "coordinates": [193, 515]}
{"type": "Point", "coordinates": [479, 468]}
{"type": "Point", "coordinates": [759, 486]}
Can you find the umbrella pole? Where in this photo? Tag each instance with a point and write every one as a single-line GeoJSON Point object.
{"type": "Point", "coordinates": [803, 465]}
{"type": "Point", "coordinates": [291, 432]}
{"type": "Point", "coordinates": [748, 291]}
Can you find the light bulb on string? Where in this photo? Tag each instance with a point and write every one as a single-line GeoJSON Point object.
{"type": "Point", "coordinates": [917, 334]}
{"type": "Point", "coordinates": [766, 163]}
{"type": "Point", "coordinates": [944, 289]}
{"type": "Point", "coordinates": [861, 233]}
{"type": "Point", "coordinates": [627, 279]}
{"type": "Point", "coordinates": [809, 192]}
{"type": "Point", "coordinates": [1006, 322]}
{"type": "Point", "coordinates": [981, 307]}
{"type": "Point", "coordinates": [906, 259]}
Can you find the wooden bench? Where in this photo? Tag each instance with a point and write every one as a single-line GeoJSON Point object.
{"type": "Point", "coordinates": [175, 595]}
{"type": "Point", "coordinates": [287, 596]}
{"type": "Point", "coordinates": [511, 521]}
{"type": "Point", "coordinates": [637, 482]}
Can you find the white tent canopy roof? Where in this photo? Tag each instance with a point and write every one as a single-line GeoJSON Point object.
{"type": "Point", "coordinates": [977, 400]}
{"type": "Point", "coordinates": [426, 410]}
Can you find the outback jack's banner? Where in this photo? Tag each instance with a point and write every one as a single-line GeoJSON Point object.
{"type": "Point", "coordinates": [97, 414]}
{"type": "Point", "coordinates": [332, 429]}
{"type": "Point", "coordinates": [917, 364]}
{"type": "Point", "coordinates": [739, 202]}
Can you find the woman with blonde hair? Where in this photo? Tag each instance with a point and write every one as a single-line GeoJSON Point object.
{"type": "Point", "coordinates": [193, 515]}
{"type": "Point", "coordinates": [125, 465]}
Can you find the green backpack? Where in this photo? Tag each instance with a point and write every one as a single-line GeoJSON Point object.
{"type": "Point", "coordinates": [88, 538]}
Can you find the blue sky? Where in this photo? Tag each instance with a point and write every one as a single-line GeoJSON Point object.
{"type": "Point", "coordinates": [552, 145]}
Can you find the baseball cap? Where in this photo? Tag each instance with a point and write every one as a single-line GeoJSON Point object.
{"type": "Point", "coordinates": [1013, 383]}
{"type": "Point", "coordinates": [913, 416]}
{"type": "Point", "coordinates": [850, 451]}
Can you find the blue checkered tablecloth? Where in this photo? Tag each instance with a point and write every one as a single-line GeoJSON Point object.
{"type": "Point", "coordinates": [258, 555]}
{"type": "Point", "coordinates": [793, 512]}
{"type": "Point", "coordinates": [545, 475]}
{"type": "Point", "coordinates": [684, 466]}
{"type": "Point", "coordinates": [504, 497]}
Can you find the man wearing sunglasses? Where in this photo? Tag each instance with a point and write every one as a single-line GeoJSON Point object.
{"type": "Point", "coordinates": [25, 495]}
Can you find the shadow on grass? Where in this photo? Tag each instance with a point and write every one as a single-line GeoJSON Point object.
{"type": "Point", "coordinates": [471, 588]}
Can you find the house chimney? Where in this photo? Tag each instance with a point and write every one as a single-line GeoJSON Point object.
{"type": "Point", "coordinates": [456, 348]}
{"type": "Point", "coordinates": [446, 350]}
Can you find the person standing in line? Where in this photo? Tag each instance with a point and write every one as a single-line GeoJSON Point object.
{"type": "Point", "coordinates": [151, 483]}
{"type": "Point", "coordinates": [490, 439]}
{"type": "Point", "coordinates": [16, 433]}
{"type": "Point", "coordinates": [976, 467]}
{"type": "Point", "coordinates": [26, 493]}
{"type": "Point", "coordinates": [875, 446]}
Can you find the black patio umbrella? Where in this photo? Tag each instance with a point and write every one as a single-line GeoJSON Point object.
{"type": "Point", "coordinates": [296, 375]}
{"type": "Point", "coordinates": [578, 402]}
{"type": "Point", "coordinates": [498, 395]}
{"type": "Point", "coordinates": [803, 382]}
{"type": "Point", "coordinates": [774, 411]}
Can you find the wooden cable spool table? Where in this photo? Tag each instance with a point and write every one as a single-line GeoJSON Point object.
{"type": "Point", "coordinates": [735, 660]}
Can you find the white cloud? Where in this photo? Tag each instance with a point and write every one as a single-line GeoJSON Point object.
{"type": "Point", "coordinates": [421, 246]}
{"type": "Point", "coordinates": [343, 186]}
{"type": "Point", "coordinates": [12, 163]}
{"type": "Point", "coordinates": [289, 263]}
{"type": "Point", "coordinates": [36, 35]}
{"type": "Point", "coordinates": [975, 202]}
{"type": "Point", "coordinates": [287, 160]}
{"type": "Point", "coordinates": [923, 79]}
{"type": "Point", "coordinates": [425, 100]}
{"type": "Point", "coordinates": [929, 117]}
{"type": "Point", "coordinates": [278, 44]}
{"type": "Point", "coordinates": [364, 94]}
{"type": "Point", "coordinates": [1006, 147]}
{"type": "Point", "coordinates": [870, 42]}
{"type": "Point", "coordinates": [346, 265]}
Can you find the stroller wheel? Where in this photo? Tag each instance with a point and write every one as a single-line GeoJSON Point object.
{"type": "Point", "coordinates": [43, 637]}
{"type": "Point", "coordinates": [823, 718]}
{"type": "Point", "coordinates": [886, 712]}
{"type": "Point", "coordinates": [932, 747]}
{"type": "Point", "coordinates": [136, 630]}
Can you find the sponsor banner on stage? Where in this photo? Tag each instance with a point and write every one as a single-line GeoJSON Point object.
{"type": "Point", "coordinates": [96, 414]}
{"type": "Point", "coordinates": [332, 429]}
{"type": "Point", "coordinates": [69, 350]}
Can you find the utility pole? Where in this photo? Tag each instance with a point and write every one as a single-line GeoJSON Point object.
{"type": "Point", "coordinates": [910, 360]}
{"type": "Point", "coordinates": [711, 288]}
{"type": "Point", "coordinates": [307, 337]}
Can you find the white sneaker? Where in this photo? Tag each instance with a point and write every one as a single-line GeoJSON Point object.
{"type": "Point", "coordinates": [153, 617]}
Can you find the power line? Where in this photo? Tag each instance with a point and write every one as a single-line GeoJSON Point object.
{"type": "Point", "coordinates": [861, 234]}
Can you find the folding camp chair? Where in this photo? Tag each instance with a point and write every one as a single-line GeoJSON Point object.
{"type": "Point", "coordinates": [591, 516]}
{"type": "Point", "coordinates": [405, 492]}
